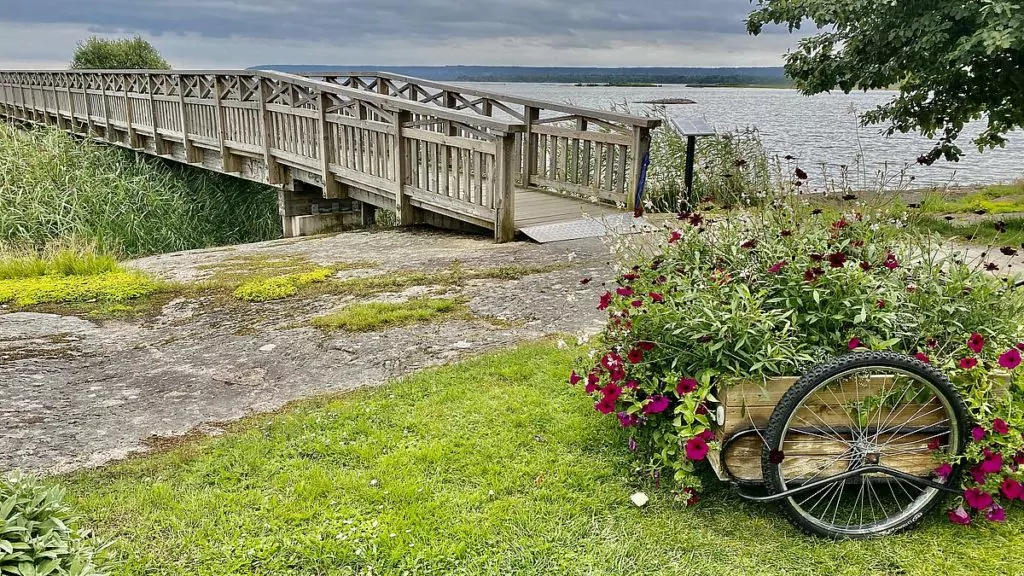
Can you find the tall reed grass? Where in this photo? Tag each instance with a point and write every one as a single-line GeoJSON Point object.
{"type": "Point", "coordinates": [54, 189]}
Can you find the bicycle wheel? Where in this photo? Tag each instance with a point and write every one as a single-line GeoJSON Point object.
{"type": "Point", "coordinates": [858, 441]}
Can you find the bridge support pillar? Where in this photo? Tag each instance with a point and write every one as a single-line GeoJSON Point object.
{"type": "Point", "coordinates": [304, 211]}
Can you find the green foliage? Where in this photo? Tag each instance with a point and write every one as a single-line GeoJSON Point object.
{"type": "Point", "coordinates": [952, 61]}
{"type": "Point", "coordinates": [119, 286]}
{"type": "Point", "coordinates": [489, 467]}
{"type": "Point", "coordinates": [1009, 233]}
{"type": "Point", "coordinates": [39, 535]}
{"type": "Point", "coordinates": [278, 287]}
{"type": "Point", "coordinates": [770, 294]}
{"type": "Point", "coordinates": [60, 259]}
{"type": "Point", "coordinates": [53, 188]}
{"type": "Point", "coordinates": [370, 316]}
{"type": "Point", "coordinates": [135, 53]}
{"type": "Point", "coordinates": [995, 199]}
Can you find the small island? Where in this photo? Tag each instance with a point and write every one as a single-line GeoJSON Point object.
{"type": "Point", "coordinates": [618, 85]}
{"type": "Point", "coordinates": [668, 101]}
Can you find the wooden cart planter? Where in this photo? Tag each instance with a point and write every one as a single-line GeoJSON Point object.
{"type": "Point", "coordinates": [850, 449]}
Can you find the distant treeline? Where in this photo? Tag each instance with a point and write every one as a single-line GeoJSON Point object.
{"type": "Point", "coordinates": [615, 76]}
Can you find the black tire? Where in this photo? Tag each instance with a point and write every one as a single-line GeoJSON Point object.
{"type": "Point", "coordinates": [829, 372]}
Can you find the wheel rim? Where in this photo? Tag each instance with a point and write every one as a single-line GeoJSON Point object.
{"type": "Point", "coordinates": [870, 416]}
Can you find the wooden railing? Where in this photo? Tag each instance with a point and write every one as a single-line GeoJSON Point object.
{"type": "Point", "coordinates": [584, 151]}
{"type": "Point", "coordinates": [373, 146]}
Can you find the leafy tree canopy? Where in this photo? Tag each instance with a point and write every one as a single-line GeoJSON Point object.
{"type": "Point", "coordinates": [122, 54]}
{"type": "Point", "coordinates": [953, 61]}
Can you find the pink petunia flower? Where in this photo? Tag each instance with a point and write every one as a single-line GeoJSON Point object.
{"type": "Point", "coordinates": [976, 342]}
{"type": "Point", "coordinates": [968, 363]}
{"type": "Point", "coordinates": [999, 426]}
{"type": "Point", "coordinates": [1010, 359]}
{"type": "Point", "coordinates": [696, 449]}
{"type": "Point", "coordinates": [627, 420]}
{"type": "Point", "coordinates": [605, 405]}
{"type": "Point", "coordinates": [612, 391]}
{"type": "Point", "coordinates": [854, 343]}
{"type": "Point", "coordinates": [575, 378]}
{"type": "Point", "coordinates": [777, 267]}
{"type": "Point", "coordinates": [707, 436]}
{"type": "Point", "coordinates": [960, 516]}
{"type": "Point", "coordinates": [635, 356]}
{"type": "Point", "coordinates": [992, 463]}
{"type": "Point", "coordinates": [944, 470]}
{"type": "Point", "coordinates": [1011, 489]}
{"type": "Point", "coordinates": [685, 386]}
{"type": "Point", "coordinates": [996, 514]}
{"type": "Point", "coordinates": [624, 291]}
{"type": "Point", "coordinates": [978, 433]}
{"type": "Point", "coordinates": [656, 405]}
{"type": "Point", "coordinates": [977, 498]}
{"type": "Point", "coordinates": [977, 475]}
{"type": "Point", "coordinates": [923, 357]}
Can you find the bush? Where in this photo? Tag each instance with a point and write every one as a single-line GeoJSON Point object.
{"type": "Point", "coordinates": [278, 287]}
{"type": "Point", "coordinates": [136, 53]}
{"type": "Point", "coordinates": [39, 535]}
{"type": "Point", "coordinates": [774, 291]}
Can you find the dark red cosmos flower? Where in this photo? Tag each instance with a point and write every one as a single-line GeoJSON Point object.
{"type": "Point", "coordinates": [635, 356]}
{"type": "Point", "coordinates": [800, 174]}
{"type": "Point", "coordinates": [854, 343]}
{"type": "Point", "coordinates": [958, 515]}
{"type": "Point", "coordinates": [837, 260]}
{"type": "Point", "coordinates": [816, 211]}
{"type": "Point", "coordinates": [627, 420]}
{"type": "Point", "coordinates": [976, 342]}
{"type": "Point", "coordinates": [624, 291]}
{"type": "Point", "coordinates": [674, 236]}
{"type": "Point", "coordinates": [696, 449]}
{"type": "Point", "coordinates": [932, 343]}
{"type": "Point", "coordinates": [890, 261]}
{"type": "Point", "coordinates": [575, 378]}
{"type": "Point", "coordinates": [968, 363]}
{"type": "Point", "coordinates": [656, 263]}
{"type": "Point", "coordinates": [661, 279]}
{"type": "Point", "coordinates": [656, 405]}
{"type": "Point", "coordinates": [935, 444]}
{"type": "Point", "coordinates": [816, 257]}
{"type": "Point", "coordinates": [776, 456]}
{"type": "Point", "coordinates": [605, 405]}
{"type": "Point", "coordinates": [1008, 251]}
{"type": "Point", "coordinates": [849, 197]}
{"type": "Point", "coordinates": [911, 288]}
{"type": "Point", "coordinates": [865, 265]}
{"type": "Point", "coordinates": [777, 267]}
{"type": "Point", "coordinates": [584, 281]}
{"type": "Point", "coordinates": [645, 346]}
{"type": "Point", "coordinates": [977, 498]}
{"type": "Point", "coordinates": [999, 426]}
{"type": "Point", "coordinates": [1011, 489]}
{"type": "Point", "coordinates": [696, 219]}
{"type": "Point", "coordinates": [991, 267]}
{"type": "Point", "coordinates": [656, 297]}
{"type": "Point", "coordinates": [840, 224]}
{"type": "Point", "coordinates": [1000, 226]}
{"type": "Point", "coordinates": [749, 244]}
{"type": "Point", "coordinates": [812, 274]}
{"type": "Point", "coordinates": [606, 301]}
{"type": "Point", "coordinates": [686, 386]}
{"type": "Point", "coordinates": [1010, 359]}
{"type": "Point", "coordinates": [638, 303]}
{"type": "Point", "coordinates": [630, 277]}
{"type": "Point", "coordinates": [786, 233]}
{"type": "Point", "coordinates": [923, 357]}
{"type": "Point", "coordinates": [683, 216]}
{"type": "Point", "coordinates": [880, 304]}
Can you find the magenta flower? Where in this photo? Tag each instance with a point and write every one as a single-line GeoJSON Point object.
{"type": "Point", "coordinates": [635, 356]}
{"type": "Point", "coordinates": [707, 436]}
{"type": "Point", "coordinates": [996, 514]}
{"type": "Point", "coordinates": [837, 260]}
{"type": "Point", "coordinates": [1019, 346]}
{"type": "Point", "coordinates": [777, 267]}
{"type": "Point", "coordinates": [627, 420]}
{"type": "Point", "coordinates": [999, 426]}
{"type": "Point", "coordinates": [968, 363]}
{"type": "Point", "coordinates": [656, 297]}
{"type": "Point", "coordinates": [960, 516]}
{"type": "Point", "coordinates": [632, 385]}
{"type": "Point", "coordinates": [934, 444]}
{"type": "Point", "coordinates": [840, 224]}
{"type": "Point", "coordinates": [696, 449]}
{"type": "Point", "coordinates": [624, 291]}
{"type": "Point", "coordinates": [575, 378]}
{"type": "Point", "coordinates": [674, 237]}
{"type": "Point", "coordinates": [606, 301]}
{"type": "Point", "coordinates": [854, 343]}
{"type": "Point", "coordinates": [656, 405]}
{"type": "Point", "coordinates": [605, 406]}
{"type": "Point", "coordinates": [923, 357]}
{"type": "Point", "coordinates": [638, 303]}
{"type": "Point", "coordinates": [612, 391]}
{"type": "Point", "coordinates": [690, 496]}
{"type": "Point", "coordinates": [645, 346]}
{"type": "Point", "coordinates": [685, 386]}
{"type": "Point", "coordinates": [978, 433]}
{"type": "Point", "coordinates": [944, 470]}
{"type": "Point", "coordinates": [1010, 359]}
{"type": "Point", "coordinates": [1011, 489]}
{"type": "Point", "coordinates": [992, 463]}
{"type": "Point", "coordinates": [976, 342]}
{"type": "Point", "coordinates": [977, 498]}
{"type": "Point", "coordinates": [977, 475]}
{"type": "Point", "coordinates": [611, 361]}
{"type": "Point", "coordinates": [891, 262]}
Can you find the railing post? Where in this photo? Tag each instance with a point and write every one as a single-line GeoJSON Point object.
{"type": "Point", "coordinates": [71, 102]}
{"type": "Point", "coordinates": [227, 160]}
{"type": "Point", "coordinates": [190, 154]}
{"type": "Point", "coordinates": [106, 107]}
{"type": "Point", "coordinates": [90, 127]}
{"type": "Point", "coordinates": [56, 102]}
{"type": "Point", "coordinates": [530, 115]}
{"type": "Point", "coordinates": [641, 146]}
{"type": "Point", "coordinates": [129, 115]}
{"type": "Point", "coordinates": [274, 175]}
{"type": "Point", "coordinates": [158, 140]}
{"type": "Point", "coordinates": [504, 189]}
{"type": "Point", "coordinates": [331, 187]}
{"type": "Point", "coordinates": [402, 168]}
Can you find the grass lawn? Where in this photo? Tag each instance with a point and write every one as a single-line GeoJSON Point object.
{"type": "Point", "coordinates": [981, 232]}
{"type": "Point", "coordinates": [494, 466]}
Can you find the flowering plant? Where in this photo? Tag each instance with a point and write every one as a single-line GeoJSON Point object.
{"type": "Point", "coordinates": [774, 292]}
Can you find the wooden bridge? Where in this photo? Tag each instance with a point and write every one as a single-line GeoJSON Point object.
{"type": "Point", "coordinates": [433, 153]}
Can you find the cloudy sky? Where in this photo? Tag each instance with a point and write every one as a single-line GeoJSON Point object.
{"type": "Point", "coordinates": [240, 33]}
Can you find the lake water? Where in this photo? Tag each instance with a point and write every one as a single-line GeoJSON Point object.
{"type": "Point", "coordinates": [818, 130]}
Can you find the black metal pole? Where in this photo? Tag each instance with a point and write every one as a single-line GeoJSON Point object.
{"type": "Point", "coordinates": [691, 150]}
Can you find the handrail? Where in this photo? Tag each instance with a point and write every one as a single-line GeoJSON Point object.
{"type": "Point", "coordinates": [628, 119]}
